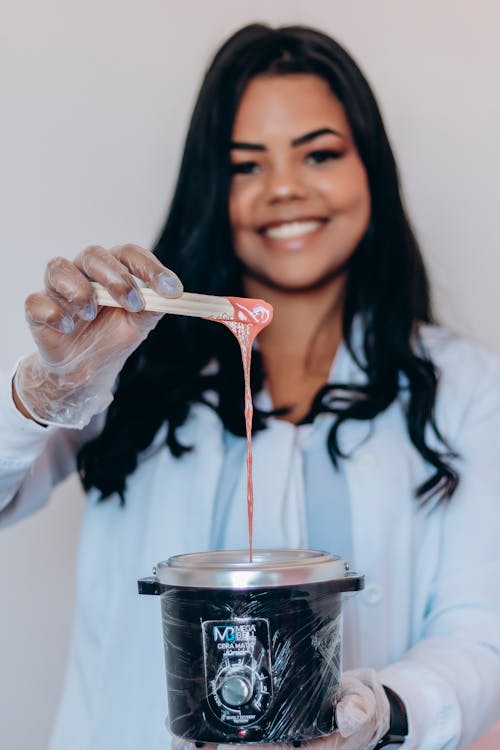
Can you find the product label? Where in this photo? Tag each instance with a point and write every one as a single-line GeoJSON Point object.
{"type": "Point", "coordinates": [237, 657]}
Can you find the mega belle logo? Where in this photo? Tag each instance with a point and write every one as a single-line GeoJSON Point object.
{"type": "Point", "coordinates": [233, 633]}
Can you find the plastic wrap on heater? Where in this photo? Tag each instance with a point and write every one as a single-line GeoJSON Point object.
{"type": "Point", "coordinates": [252, 666]}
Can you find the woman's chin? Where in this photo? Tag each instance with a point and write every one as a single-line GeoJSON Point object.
{"type": "Point", "coordinates": [294, 283]}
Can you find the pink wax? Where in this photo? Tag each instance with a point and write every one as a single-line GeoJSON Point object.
{"type": "Point", "coordinates": [250, 317]}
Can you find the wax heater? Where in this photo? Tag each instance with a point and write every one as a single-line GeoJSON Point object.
{"type": "Point", "coordinates": [253, 650]}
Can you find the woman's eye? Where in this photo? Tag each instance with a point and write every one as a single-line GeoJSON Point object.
{"type": "Point", "coordinates": [244, 167]}
{"type": "Point", "coordinates": [319, 157]}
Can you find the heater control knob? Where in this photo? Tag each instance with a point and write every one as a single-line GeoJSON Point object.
{"type": "Point", "coordinates": [236, 688]}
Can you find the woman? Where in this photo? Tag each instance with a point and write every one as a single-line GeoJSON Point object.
{"type": "Point", "coordinates": [374, 433]}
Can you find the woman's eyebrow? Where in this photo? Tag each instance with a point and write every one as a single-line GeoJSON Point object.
{"type": "Point", "coordinates": [246, 146]}
{"type": "Point", "coordinates": [314, 134]}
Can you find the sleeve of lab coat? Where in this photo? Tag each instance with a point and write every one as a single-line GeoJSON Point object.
{"type": "Point", "coordinates": [33, 459]}
{"type": "Point", "coordinates": [450, 680]}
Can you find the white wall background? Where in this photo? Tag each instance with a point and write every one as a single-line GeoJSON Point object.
{"type": "Point", "coordinates": [94, 101]}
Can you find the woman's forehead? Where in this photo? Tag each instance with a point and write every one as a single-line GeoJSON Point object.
{"type": "Point", "coordinates": [286, 106]}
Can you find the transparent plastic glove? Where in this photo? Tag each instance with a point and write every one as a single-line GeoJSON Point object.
{"type": "Point", "coordinates": [362, 714]}
{"type": "Point", "coordinates": [82, 348]}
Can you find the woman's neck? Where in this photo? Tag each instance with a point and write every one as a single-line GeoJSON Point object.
{"type": "Point", "coordinates": [306, 327]}
{"type": "Point", "coordinates": [299, 346]}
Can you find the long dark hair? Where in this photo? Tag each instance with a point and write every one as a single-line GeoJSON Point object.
{"type": "Point", "coordinates": [387, 287]}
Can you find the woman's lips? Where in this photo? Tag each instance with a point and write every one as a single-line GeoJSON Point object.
{"type": "Point", "coordinates": [292, 235]}
{"type": "Point", "coordinates": [290, 229]}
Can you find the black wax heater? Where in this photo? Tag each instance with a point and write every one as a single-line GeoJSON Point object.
{"type": "Point", "coordinates": [253, 650]}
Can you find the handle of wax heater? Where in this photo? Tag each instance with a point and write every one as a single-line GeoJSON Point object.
{"type": "Point", "coordinates": [150, 585]}
{"type": "Point", "coordinates": [356, 581]}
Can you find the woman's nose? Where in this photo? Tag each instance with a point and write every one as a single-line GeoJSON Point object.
{"type": "Point", "coordinates": [285, 183]}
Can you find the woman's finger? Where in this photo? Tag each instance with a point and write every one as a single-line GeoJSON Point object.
{"type": "Point", "coordinates": [101, 265]}
{"type": "Point", "coordinates": [70, 288]}
{"type": "Point", "coordinates": [43, 311]}
{"type": "Point", "coordinates": [147, 267]}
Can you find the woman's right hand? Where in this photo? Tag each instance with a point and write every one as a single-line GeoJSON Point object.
{"type": "Point", "coordinates": [82, 348]}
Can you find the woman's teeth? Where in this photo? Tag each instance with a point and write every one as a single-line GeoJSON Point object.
{"type": "Point", "coordinates": [291, 229]}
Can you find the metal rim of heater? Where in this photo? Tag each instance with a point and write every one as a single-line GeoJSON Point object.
{"type": "Point", "coordinates": [269, 568]}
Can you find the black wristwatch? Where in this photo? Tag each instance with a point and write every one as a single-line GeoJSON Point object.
{"type": "Point", "coordinates": [398, 727]}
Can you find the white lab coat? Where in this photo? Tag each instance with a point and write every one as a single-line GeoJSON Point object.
{"type": "Point", "coordinates": [428, 619]}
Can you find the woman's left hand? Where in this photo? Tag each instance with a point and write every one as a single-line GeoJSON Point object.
{"type": "Point", "coordinates": [363, 713]}
{"type": "Point", "coordinates": [362, 717]}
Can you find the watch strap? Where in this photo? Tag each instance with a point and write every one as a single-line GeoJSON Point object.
{"type": "Point", "coordinates": [398, 726]}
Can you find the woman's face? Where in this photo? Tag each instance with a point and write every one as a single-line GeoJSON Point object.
{"type": "Point", "coordinates": [299, 202]}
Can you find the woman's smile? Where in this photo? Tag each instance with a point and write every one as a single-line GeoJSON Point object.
{"type": "Point", "coordinates": [294, 234]}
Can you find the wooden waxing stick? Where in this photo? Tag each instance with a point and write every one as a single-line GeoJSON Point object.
{"type": "Point", "coordinates": [189, 303]}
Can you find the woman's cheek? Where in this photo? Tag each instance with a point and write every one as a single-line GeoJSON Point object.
{"type": "Point", "coordinates": [240, 206]}
{"type": "Point", "coordinates": [234, 202]}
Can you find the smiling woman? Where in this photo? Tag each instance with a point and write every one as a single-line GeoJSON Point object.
{"type": "Point", "coordinates": [288, 191]}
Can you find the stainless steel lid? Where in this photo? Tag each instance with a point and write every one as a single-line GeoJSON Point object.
{"type": "Point", "coordinates": [269, 568]}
